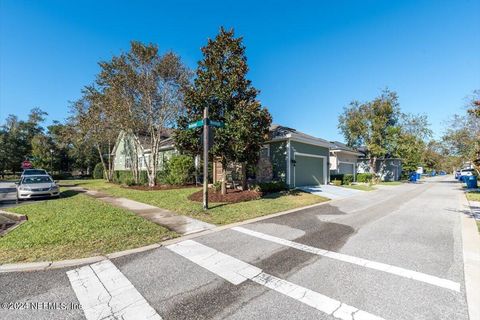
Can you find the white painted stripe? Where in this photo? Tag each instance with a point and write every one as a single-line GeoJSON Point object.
{"type": "Point", "coordinates": [229, 268]}
{"type": "Point", "coordinates": [410, 274]}
{"type": "Point", "coordinates": [237, 271]}
{"type": "Point", "coordinates": [104, 292]}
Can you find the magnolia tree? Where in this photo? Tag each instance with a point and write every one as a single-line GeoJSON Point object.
{"type": "Point", "coordinates": [221, 85]}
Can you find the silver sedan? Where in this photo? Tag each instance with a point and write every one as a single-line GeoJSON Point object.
{"type": "Point", "coordinates": [37, 186]}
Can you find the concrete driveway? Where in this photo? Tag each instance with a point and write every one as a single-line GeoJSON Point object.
{"type": "Point", "coordinates": [332, 192]}
{"type": "Point", "coordinates": [391, 254]}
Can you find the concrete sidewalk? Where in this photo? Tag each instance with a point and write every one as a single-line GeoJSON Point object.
{"type": "Point", "coordinates": [178, 223]}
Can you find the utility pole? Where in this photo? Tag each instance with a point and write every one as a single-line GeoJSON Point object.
{"type": "Point", "coordinates": [205, 158]}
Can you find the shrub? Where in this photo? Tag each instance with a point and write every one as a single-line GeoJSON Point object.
{"type": "Point", "coordinates": [273, 186]}
{"type": "Point", "coordinates": [337, 182]}
{"type": "Point", "coordinates": [347, 179]}
{"type": "Point", "coordinates": [343, 178]}
{"type": "Point", "coordinates": [179, 170]}
{"type": "Point", "coordinates": [364, 177]}
{"type": "Point", "coordinates": [336, 177]}
{"type": "Point", "coordinates": [98, 171]}
{"type": "Point", "coordinates": [217, 186]}
{"type": "Point", "coordinates": [126, 177]}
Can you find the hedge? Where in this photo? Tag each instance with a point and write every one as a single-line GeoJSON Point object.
{"type": "Point", "coordinates": [364, 177]}
{"type": "Point", "coordinates": [98, 171]}
{"type": "Point", "coordinates": [273, 186]}
{"type": "Point", "coordinates": [344, 178]}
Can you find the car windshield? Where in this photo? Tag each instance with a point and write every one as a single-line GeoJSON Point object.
{"type": "Point", "coordinates": [467, 170]}
{"type": "Point", "coordinates": [33, 172]}
{"type": "Point", "coordinates": [36, 179]}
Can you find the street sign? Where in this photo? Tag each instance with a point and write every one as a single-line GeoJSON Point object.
{"type": "Point", "coordinates": [217, 124]}
{"type": "Point", "coordinates": [26, 164]}
{"type": "Point", "coordinates": [196, 124]}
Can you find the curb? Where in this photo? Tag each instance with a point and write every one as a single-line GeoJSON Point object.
{"type": "Point", "coordinates": [471, 259]}
{"type": "Point", "coordinates": [49, 265]}
{"type": "Point", "coordinates": [13, 216]}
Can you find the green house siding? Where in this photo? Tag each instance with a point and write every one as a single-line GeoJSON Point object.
{"type": "Point", "coordinates": [308, 170]}
{"type": "Point", "coordinates": [125, 150]}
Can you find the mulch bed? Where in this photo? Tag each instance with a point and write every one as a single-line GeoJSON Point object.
{"type": "Point", "coordinates": [232, 196]}
{"type": "Point", "coordinates": [159, 187]}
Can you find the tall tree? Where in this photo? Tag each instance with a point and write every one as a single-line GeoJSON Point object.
{"type": "Point", "coordinates": [145, 91]}
{"type": "Point", "coordinates": [372, 124]}
{"type": "Point", "coordinates": [93, 122]}
{"type": "Point", "coordinates": [221, 85]}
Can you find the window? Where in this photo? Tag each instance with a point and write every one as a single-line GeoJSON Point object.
{"type": "Point", "coordinates": [265, 151]}
{"type": "Point", "coordinates": [128, 162]}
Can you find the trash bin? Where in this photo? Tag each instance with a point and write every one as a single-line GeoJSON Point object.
{"type": "Point", "coordinates": [413, 177]}
{"type": "Point", "coordinates": [471, 182]}
{"type": "Point", "coordinates": [462, 178]}
{"type": "Point", "coordinates": [418, 176]}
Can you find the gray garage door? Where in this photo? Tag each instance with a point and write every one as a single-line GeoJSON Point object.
{"type": "Point", "coordinates": [345, 168]}
{"type": "Point", "coordinates": [308, 171]}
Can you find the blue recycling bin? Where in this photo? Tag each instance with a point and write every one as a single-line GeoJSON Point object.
{"type": "Point", "coordinates": [413, 177]}
{"type": "Point", "coordinates": [471, 182]}
{"type": "Point", "coordinates": [418, 176]}
{"type": "Point", "coordinates": [462, 178]}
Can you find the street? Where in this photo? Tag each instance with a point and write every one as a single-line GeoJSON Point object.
{"type": "Point", "coordinates": [394, 253]}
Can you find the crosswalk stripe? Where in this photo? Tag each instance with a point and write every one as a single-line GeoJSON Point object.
{"type": "Point", "coordinates": [406, 273]}
{"type": "Point", "coordinates": [237, 271]}
{"type": "Point", "coordinates": [104, 292]}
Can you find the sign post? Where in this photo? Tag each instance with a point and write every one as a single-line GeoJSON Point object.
{"type": "Point", "coordinates": [205, 158]}
{"type": "Point", "coordinates": [205, 123]}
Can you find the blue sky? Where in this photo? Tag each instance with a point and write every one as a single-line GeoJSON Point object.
{"type": "Point", "coordinates": [308, 58]}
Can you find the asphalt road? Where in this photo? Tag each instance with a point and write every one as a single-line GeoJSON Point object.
{"type": "Point", "coordinates": [406, 228]}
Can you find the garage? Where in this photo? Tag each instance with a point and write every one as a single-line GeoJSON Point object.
{"type": "Point", "coordinates": [309, 170]}
{"type": "Point", "coordinates": [346, 168]}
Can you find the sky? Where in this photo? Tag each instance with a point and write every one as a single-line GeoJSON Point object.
{"type": "Point", "coordinates": [309, 59]}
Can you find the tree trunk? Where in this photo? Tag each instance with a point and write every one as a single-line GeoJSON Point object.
{"type": "Point", "coordinates": [224, 178]}
{"type": "Point", "coordinates": [244, 176]}
{"type": "Point", "coordinates": [373, 163]}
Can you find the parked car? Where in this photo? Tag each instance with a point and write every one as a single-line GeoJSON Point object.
{"type": "Point", "coordinates": [31, 172]}
{"type": "Point", "coordinates": [37, 186]}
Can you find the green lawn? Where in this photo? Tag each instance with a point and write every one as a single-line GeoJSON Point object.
{"type": "Point", "coordinates": [391, 183]}
{"type": "Point", "coordinates": [473, 196]}
{"type": "Point", "coordinates": [363, 187]}
{"type": "Point", "coordinates": [74, 227]}
{"type": "Point", "coordinates": [220, 213]}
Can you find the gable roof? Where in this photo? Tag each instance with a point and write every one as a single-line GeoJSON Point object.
{"type": "Point", "coordinates": [278, 132]}
{"type": "Point", "coordinates": [339, 146]}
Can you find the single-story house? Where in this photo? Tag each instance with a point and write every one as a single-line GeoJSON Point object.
{"type": "Point", "coordinates": [296, 158]}
{"type": "Point", "coordinates": [388, 169]}
{"type": "Point", "coordinates": [291, 156]}
{"type": "Point", "coordinates": [343, 159]}
{"type": "Point", "coordinates": [129, 148]}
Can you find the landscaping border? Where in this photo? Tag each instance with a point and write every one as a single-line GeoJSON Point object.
{"type": "Point", "coordinates": [48, 265]}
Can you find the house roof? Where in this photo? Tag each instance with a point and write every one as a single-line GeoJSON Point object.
{"type": "Point", "coordinates": [279, 132]}
{"type": "Point", "coordinates": [339, 146]}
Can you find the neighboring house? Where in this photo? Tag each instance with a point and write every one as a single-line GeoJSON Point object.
{"type": "Point", "coordinates": [388, 169]}
{"type": "Point", "coordinates": [127, 149]}
{"type": "Point", "coordinates": [295, 157]}
{"type": "Point", "coordinates": [343, 159]}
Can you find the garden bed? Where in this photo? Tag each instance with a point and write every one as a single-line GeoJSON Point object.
{"type": "Point", "coordinates": [159, 187]}
{"type": "Point", "coordinates": [232, 196]}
